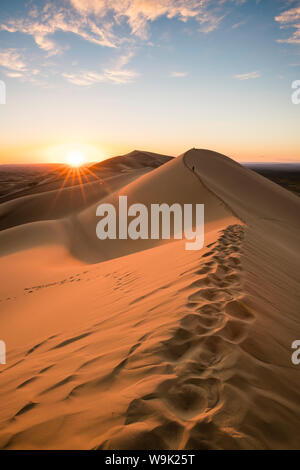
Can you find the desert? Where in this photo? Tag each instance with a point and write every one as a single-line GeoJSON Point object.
{"type": "Point", "coordinates": [149, 230]}
{"type": "Point", "coordinates": [133, 344]}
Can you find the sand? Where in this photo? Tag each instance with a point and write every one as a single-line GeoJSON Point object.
{"type": "Point", "coordinates": [142, 344]}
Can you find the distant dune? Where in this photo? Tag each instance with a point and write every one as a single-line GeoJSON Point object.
{"type": "Point", "coordinates": [134, 160]}
{"type": "Point", "coordinates": [123, 344]}
{"type": "Point", "coordinates": [60, 192]}
{"type": "Point", "coordinates": [22, 180]}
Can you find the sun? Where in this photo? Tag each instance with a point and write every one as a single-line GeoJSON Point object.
{"type": "Point", "coordinates": [75, 158]}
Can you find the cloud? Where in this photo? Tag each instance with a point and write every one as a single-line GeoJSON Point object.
{"type": "Point", "coordinates": [248, 76]}
{"type": "Point", "coordinates": [84, 78]}
{"type": "Point", "coordinates": [11, 59]}
{"type": "Point", "coordinates": [120, 76]}
{"type": "Point", "coordinates": [115, 24]}
{"type": "Point", "coordinates": [44, 23]}
{"type": "Point", "coordinates": [290, 19]}
{"type": "Point", "coordinates": [46, 44]}
{"type": "Point", "coordinates": [178, 74]}
{"type": "Point", "coordinates": [116, 74]}
{"type": "Point", "coordinates": [100, 21]}
{"type": "Point", "coordinates": [87, 78]}
{"type": "Point", "coordinates": [14, 74]}
{"type": "Point", "coordinates": [239, 24]}
{"type": "Point", "coordinates": [14, 66]}
{"type": "Point", "coordinates": [139, 13]}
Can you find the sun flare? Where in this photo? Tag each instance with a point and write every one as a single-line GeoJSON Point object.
{"type": "Point", "coordinates": [75, 158]}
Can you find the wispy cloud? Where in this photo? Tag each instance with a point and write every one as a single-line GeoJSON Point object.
{"type": "Point", "coordinates": [100, 21]}
{"type": "Point", "coordinates": [248, 76]}
{"type": "Point", "coordinates": [14, 65]}
{"type": "Point", "coordinates": [43, 23]}
{"type": "Point", "coordinates": [14, 74]}
{"type": "Point", "coordinates": [239, 24]}
{"type": "Point", "coordinates": [290, 19]}
{"type": "Point", "coordinates": [11, 59]}
{"type": "Point", "coordinates": [178, 74]}
{"type": "Point", "coordinates": [111, 24]}
{"type": "Point", "coordinates": [138, 14]}
{"type": "Point", "coordinates": [117, 73]}
{"type": "Point", "coordinates": [87, 78]}
{"type": "Point", "coordinates": [84, 78]}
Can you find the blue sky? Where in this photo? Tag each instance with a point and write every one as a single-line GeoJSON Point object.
{"type": "Point", "coordinates": [163, 75]}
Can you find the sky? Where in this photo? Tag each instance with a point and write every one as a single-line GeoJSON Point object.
{"type": "Point", "coordinates": [105, 77]}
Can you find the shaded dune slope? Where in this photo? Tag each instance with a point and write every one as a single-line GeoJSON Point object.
{"type": "Point", "coordinates": [55, 204]}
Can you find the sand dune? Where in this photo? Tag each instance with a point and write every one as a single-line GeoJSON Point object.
{"type": "Point", "coordinates": [22, 180]}
{"type": "Point", "coordinates": [134, 160]}
{"type": "Point", "coordinates": [78, 230]}
{"type": "Point", "coordinates": [59, 191]}
{"type": "Point", "coordinates": [59, 203]}
{"type": "Point", "coordinates": [142, 344]}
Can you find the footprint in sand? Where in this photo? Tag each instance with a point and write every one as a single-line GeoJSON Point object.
{"type": "Point", "coordinates": [215, 323]}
